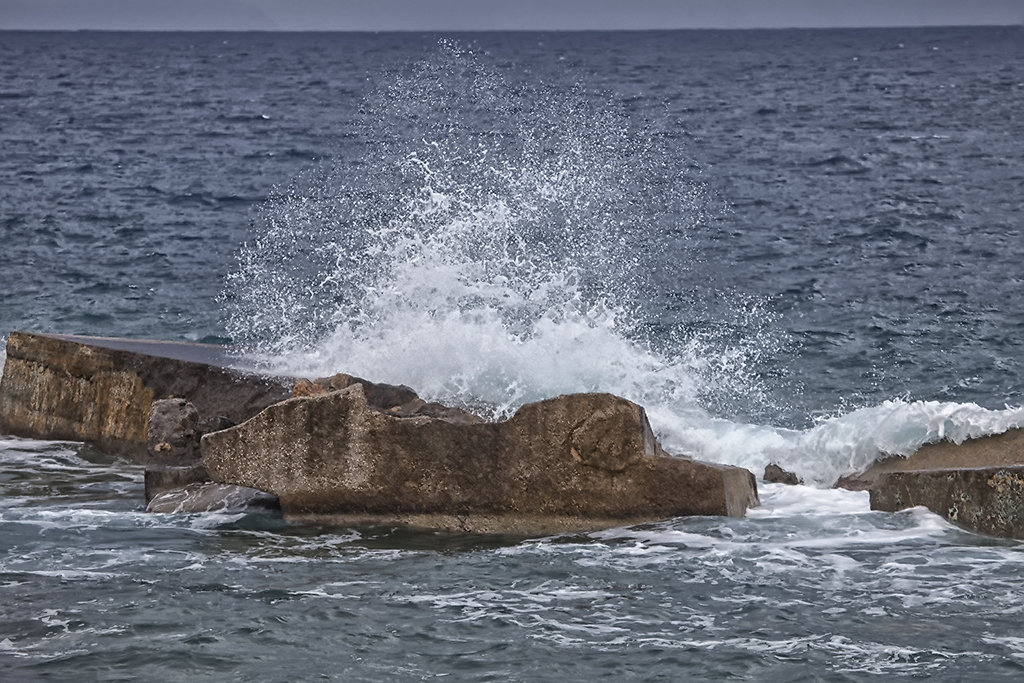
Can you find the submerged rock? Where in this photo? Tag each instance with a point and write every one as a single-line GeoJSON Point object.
{"type": "Point", "coordinates": [170, 478]}
{"type": "Point", "coordinates": [100, 390]}
{"type": "Point", "coordinates": [211, 497]}
{"type": "Point", "coordinates": [988, 500]}
{"type": "Point", "coordinates": [569, 463]}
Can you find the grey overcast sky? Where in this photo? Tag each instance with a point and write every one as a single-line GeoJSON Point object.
{"type": "Point", "coordinates": [461, 15]}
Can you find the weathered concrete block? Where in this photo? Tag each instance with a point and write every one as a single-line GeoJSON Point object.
{"type": "Point", "coordinates": [988, 500]}
{"type": "Point", "coordinates": [569, 463]}
{"type": "Point", "coordinates": [100, 390]}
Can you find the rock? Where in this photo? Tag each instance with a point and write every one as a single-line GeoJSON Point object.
{"type": "Point", "coordinates": [575, 462]}
{"type": "Point", "coordinates": [998, 450]}
{"type": "Point", "coordinates": [382, 396]}
{"type": "Point", "coordinates": [420, 408]}
{"type": "Point", "coordinates": [172, 440]}
{"type": "Point", "coordinates": [978, 484]}
{"type": "Point", "coordinates": [100, 390]}
{"type": "Point", "coordinates": [210, 497]}
{"type": "Point", "coordinates": [214, 424]}
{"type": "Point", "coordinates": [172, 432]}
{"type": "Point", "coordinates": [398, 400]}
{"type": "Point", "coordinates": [987, 500]}
{"type": "Point", "coordinates": [162, 479]}
{"type": "Point", "coordinates": [773, 474]}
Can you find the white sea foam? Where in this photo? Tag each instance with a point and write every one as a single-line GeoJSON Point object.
{"type": "Point", "coordinates": [76, 574]}
{"type": "Point", "coordinates": [838, 445]}
{"type": "Point", "coordinates": [782, 500]}
{"type": "Point", "coordinates": [11, 444]}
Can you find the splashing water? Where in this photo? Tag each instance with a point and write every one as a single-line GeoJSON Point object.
{"type": "Point", "coordinates": [494, 243]}
{"type": "Point", "coordinates": [842, 444]}
{"type": "Point", "coordinates": [497, 243]}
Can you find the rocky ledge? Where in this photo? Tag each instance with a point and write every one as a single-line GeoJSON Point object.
{"type": "Point", "coordinates": [977, 484]}
{"type": "Point", "coordinates": [988, 500]}
{"type": "Point", "coordinates": [100, 390]}
{"type": "Point", "coordinates": [352, 451]}
{"type": "Point", "coordinates": [573, 462]}
{"type": "Point", "coordinates": [997, 450]}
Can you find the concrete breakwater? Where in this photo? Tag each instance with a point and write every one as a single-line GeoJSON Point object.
{"type": "Point", "coordinates": [351, 450]}
{"type": "Point", "coordinates": [100, 390]}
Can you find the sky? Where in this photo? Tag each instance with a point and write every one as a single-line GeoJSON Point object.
{"type": "Point", "coordinates": [470, 15]}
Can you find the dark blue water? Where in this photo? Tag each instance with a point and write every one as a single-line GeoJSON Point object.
{"type": "Point", "coordinates": [793, 245]}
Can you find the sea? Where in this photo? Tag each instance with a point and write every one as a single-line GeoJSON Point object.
{"type": "Point", "coordinates": [794, 246]}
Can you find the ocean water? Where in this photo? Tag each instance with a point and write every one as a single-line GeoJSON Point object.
{"type": "Point", "coordinates": [791, 246]}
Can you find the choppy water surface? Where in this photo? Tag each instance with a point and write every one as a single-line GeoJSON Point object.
{"type": "Point", "coordinates": [810, 585]}
{"type": "Point", "coordinates": [795, 246]}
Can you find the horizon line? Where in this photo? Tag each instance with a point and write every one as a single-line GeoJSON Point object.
{"type": "Point", "coordinates": [510, 30]}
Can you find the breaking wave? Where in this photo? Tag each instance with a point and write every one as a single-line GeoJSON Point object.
{"type": "Point", "coordinates": [493, 243]}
